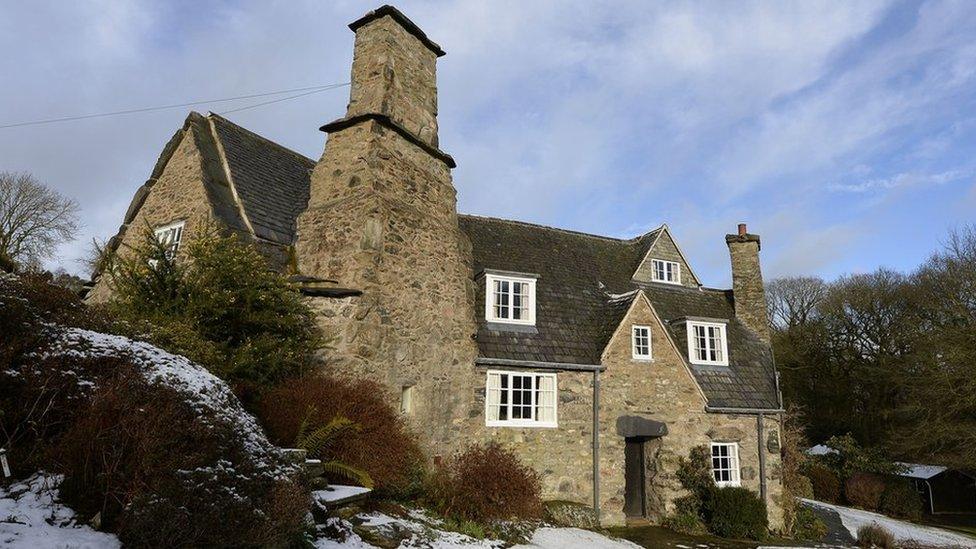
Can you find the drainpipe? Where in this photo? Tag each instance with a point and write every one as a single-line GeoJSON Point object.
{"type": "Point", "coordinates": [596, 444]}
{"type": "Point", "coordinates": [762, 457]}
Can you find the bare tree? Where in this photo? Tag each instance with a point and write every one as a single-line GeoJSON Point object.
{"type": "Point", "coordinates": [33, 219]}
{"type": "Point", "coordinates": [792, 301]}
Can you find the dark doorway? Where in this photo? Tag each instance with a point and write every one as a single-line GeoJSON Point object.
{"type": "Point", "coordinates": [635, 500]}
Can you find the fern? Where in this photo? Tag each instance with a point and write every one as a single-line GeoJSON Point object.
{"type": "Point", "coordinates": [317, 442]}
{"type": "Point", "coordinates": [339, 469]}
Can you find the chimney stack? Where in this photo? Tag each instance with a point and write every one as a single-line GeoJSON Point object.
{"type": "Point", "coordinates": [394, 73]}
{"type": "Point", "coordinates": [747, 281]}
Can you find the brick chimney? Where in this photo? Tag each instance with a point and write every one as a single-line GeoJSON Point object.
{"type": "Point", "coordinates": [747, 281]}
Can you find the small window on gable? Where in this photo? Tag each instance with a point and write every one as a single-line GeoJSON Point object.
{"type": "Point", "coordinates": [707, 343]}
{"type": "Point", "coordinates": [520, 399]}
{"type": "Point", "coordinates": [641, 342]}
{"type": "Point", "coordinates": [170, 236]}
{"type": "Point", "coordinates": [509, 299]}
{"type": "Point", "coordinates": [665, 271]}
{"type": "Point", "coordinates": [725, 463]}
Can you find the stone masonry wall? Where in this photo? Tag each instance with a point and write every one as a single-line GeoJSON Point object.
{"type": "Point", "coordinates": [382, 218]}
{"type": "Point", "coordinates": [661, 389]}
{"type": "Point", "coordinates": [665, 248]}
{"type": "Point", "coordinates": [178, 194]}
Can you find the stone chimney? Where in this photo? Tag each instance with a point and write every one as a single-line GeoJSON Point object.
{"type": "Point", "coordinates": [394, 73]}
{"type": "Point", "coordinates": [747, 281]}
{"type": "Point", "coordinates": [382, 223]}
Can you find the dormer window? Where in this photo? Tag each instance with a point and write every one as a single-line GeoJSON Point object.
{"type": "Point", "coordinates": [707, 343]}
{"type": "Point", "coordinates": [665, 271]}
{"type": "Point", "coordinates": [509, 299]}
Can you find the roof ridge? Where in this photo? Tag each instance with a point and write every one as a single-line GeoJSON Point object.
{"type": "Point", "coordinates": [560, 229]}
{"type": "Point", "coordinates": [261, 137]}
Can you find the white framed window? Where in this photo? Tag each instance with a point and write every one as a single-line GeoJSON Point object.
{"type": "Point", "coordinates": [707, 343]}
{"type": "Point", "coordinates": [520, 399]}
{"type": "Point", "coordinates": [725, 463]}
{"type": "Point", "coordinates": [665, 271]}
{"type": "Point", "coordinates": [640, 340]}
{"type": "Point", "coordinates": [509, 299]}
{"type": "Point", "coordinates": [170, 236]}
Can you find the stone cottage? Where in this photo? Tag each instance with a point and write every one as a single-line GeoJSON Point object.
{"type": "Point", "coordinates": [600, 361]}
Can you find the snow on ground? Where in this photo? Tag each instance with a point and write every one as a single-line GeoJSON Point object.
{"type": "Point", "coordinates": [903, 531]}
{"type": "Point", "coordinates": [32, 518]}
{"type": "Point", "coordinates": [574, 538]}
{"type": "Point", "coordinates": [420, 530]}
{"type": "Point", "coordinates": [338, 492]}
{"type": "Point", "coordinates": [205, 391]}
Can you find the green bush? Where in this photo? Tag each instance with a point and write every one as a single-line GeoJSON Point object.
{"type": "Point", "coordinates": [872, 535]}
{"type": "Point", "coordinates": [728, 512]}
{"type": "Point", "coordinates": [218, 304]}
{"type": "Point", "coordinates": [808, 525]}
{"type": "Point", "coordinates": [735, 512]}
{"type": "Point", "coordinates": [864, 490]}
{"type": "Point", "coordinates": [825, 483]}
{"type": "Point", "coordinates": [850, 458]}
{"type": "Point", "coordinates": [900, 499]}
{"type": "Point", "coordinates": [685, 523]}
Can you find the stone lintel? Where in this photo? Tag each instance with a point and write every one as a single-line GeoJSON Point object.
{"type": "Point", "coordinates": [386, 121]}
{"type": "Point", "coordinates": [404, 22]}
{"type": "Point", "coordinates": [735, 238]}
{"type": "Point", "coordinates": [640, 427]}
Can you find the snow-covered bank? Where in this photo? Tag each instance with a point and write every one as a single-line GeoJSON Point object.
{"type": "Point", "coordinates": [902, 530]}
{"type": "Point", "coordinates": [32, 518]}
{"type": "Point", "coordinates": [422, 530]}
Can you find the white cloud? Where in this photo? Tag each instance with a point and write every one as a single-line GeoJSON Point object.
{"type": "Point", "coordinates": [904, 179]}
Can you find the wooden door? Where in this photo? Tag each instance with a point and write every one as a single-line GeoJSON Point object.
{"type": "Point", "coordinates": [634, 479]}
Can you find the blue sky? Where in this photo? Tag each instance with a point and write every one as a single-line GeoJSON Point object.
{"type": "Point", "coordinates": [843, 132]}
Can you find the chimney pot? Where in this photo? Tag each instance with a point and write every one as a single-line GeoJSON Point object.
{"type": "Point", "coordinates": [742, 229]}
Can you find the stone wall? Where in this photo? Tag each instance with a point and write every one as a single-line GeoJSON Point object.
{"type": "Point", "coordinates": [178, 193]}
{"type": "Point", "coordinates": [665, 248]}
{"type": "Point", "coordinates": [661, 389]}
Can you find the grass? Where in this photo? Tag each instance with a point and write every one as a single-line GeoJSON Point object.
{"type": "Point", "coordinates": [963, 523]}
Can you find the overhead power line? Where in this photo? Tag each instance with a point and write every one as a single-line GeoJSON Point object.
{"type": "Point", "coordinates": [306, 91]}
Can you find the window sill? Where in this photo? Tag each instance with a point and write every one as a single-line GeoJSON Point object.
{"type": "Point", "coordinates": [642, 359]}
{"type": "Point", "coordinates": [495, 326]}
{"type": "Point", "coordinates": [729, 484]}
{"type": "Point", "coordinates": [716, 364]}
{"type": "Point", "coordinates": [522, 425]}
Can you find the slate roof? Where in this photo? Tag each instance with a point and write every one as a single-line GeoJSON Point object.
{"type": "Point", "coordinates": [584, 288]}
{"type": "Point", "coordinates": [582, 294]}
{"type": "Point", "coordinates": [271, 181]}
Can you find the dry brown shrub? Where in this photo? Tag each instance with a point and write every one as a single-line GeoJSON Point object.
{"type": "Point", "coordinates": [864, 490]}
{"type": "Point", "coordinates": [383, 446]}
{"type": "Point", "coordinates": [486, 483]}
{"type": "Point", "coordinates": [826, 484]}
